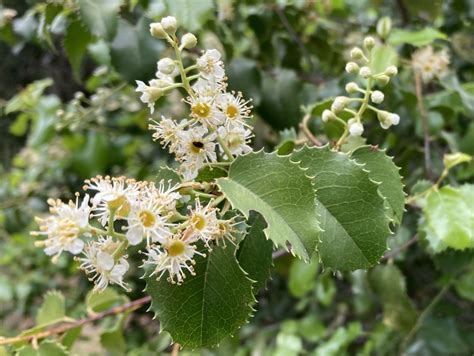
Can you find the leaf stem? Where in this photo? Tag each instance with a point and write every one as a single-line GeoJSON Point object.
{"type": "Point", "coordinates": [304, 126]}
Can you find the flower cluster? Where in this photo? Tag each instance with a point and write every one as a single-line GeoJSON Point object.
{"type": "Point", "coordinates": [216, 126]}
{"type": "Point", "coordinates": [355, 107]}
{"type": "Point", "coordinates": [147, 213]}
{"type": "Point", "coordinates": [430, 63]}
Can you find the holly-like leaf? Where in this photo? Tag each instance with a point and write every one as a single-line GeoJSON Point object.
{"type": "Point", "coordinates": [382, 170]}
{"type": "Point", "coordinates": [76, 41]}
{"type": "Point", "coordinates": [208, 306]}
{"type": "Point", "coordinates": [52, 310]}
{"type": "Point", "coordinates": [100, 16]}
{"type": "Point", "coordinates": [389, 284]}
{"type": "Point", "coordinates": [255, 252]}
{"type": "Point", "coordinates": [281, 192]}
{"type": "Point", "coordinates": [350, 208]}
{"type": "Point", "coordinates": [448, 218]}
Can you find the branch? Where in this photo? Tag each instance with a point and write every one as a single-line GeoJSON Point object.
{"type": "Point", "coordinates": [130, 306]}
{"type": "Point", "coordinates": [424, 122]}
{"type": "Point", "coordinates": [403, 247]}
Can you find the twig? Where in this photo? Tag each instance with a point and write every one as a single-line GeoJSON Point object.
{"type": "Point", "coordinates": [403, 247]}
{"type": "Point", "coordinates": [424, 123]}
{"type": "Point", "coordinates": [279, 253]}
{"type": "Point", "coordinates": [307, 131]}
{"type": "Point", "coordinates": [130, 306]}
{"type": "Point", "coordinates": [423, 316]}
{"type": "Point", "coordinates": [175, 350]}
{"type": "Point", "coordinates": [293, 34]}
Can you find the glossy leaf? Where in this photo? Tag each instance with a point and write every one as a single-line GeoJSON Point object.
{"type": "Point", "coordinates": [76, 40]}
{"type": "Point", "coordinates": [281, 192]}
{"type": "Point", "coordinates": [416, 38]}
{"type": "Point", "coordinates": [208, 306]}
{"type": "Point", "coordinates": [350, 208]}
{"type": "Point", "coordinates": [383, 170]}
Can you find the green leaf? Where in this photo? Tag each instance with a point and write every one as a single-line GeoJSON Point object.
{"type": "Point", "coordinates": [453, 159]}
{"type": "Point", "coordinates": [350, 208]}
{"type": "Point", "coordinates": [382, 57]}
{"type": "Point", "coordinates": [190, 14]}
{"type": "Point", "coordinates": [100, 16]}
{"type": "Point", "coordinates": [382, 169]}
{"type": "Point", "coordinates": [245, 76]}
{"type": "Point", "coordinates": [281, 192]}
{"type": "Point", "coordinates": [70, 337]}
{"type": "Point", "coordinates": [302, 278]}
{"type": "Point", "coordinates": [209, 305]}
{"type": "Point", "coordinates": [464, 285]}
{"type": "Point", "coordinates": [448, 218]}
{"type": "Point", "coordinates": [52, 310]}
{"type": "Point", "coordinates": [340, 340]}
{"type": "Point", "coordinates": [209, 174]}
{"type": "Point", "coordinates": [168, 175]}
{"type": "Point", "coordinates": [255, 252]}
{"type": "Point", "coordinates": [134, 52]}
{"type": "Point", "coordinates": [46, 348]}
{"type": "Point", "coordinates": [28, 97]}
{"type": "Point", "coordinates": [451, 83]}
{"type": "Point", "coordinates": [44, 118]}
{"type": "Point", "coordinates": [113, 339]}
{"type": "Point", "coordinates": [100, 301]}
{"type": "Point", "coordinates": [389, 284]}
{"type": "Point", "coordinates": [416, 38]}
{"type": "Point", "coordinates": [76, 40]}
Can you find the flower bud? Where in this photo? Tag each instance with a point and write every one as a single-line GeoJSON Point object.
{"type": "Point", "coordinates": [188, 40]}
{"type": "Point", "coordinates": [365, 72]}
{"type": "Point", "coordinates": [369, 43]}
{"type": "Point", "coordinates": [377, 97]}
{"type": "Point", "coordinates": [382, 80]}
{"type": "Point", "coordinates": [355, 127]}
{"type": "Point", "coordinates": [395, 119]}
{"type": "Point", "coordinates": [352, 68]}
{"type": "Point", "coordinates": [339, 104]}
{"type": "Point", "coordinates": [385, 118]}
{"type": "Point", "coordinates": [328, 115]}
{"type": "Point", "coordinates": [391, 71]}
{"type": "Point", "coordinates": [356, 53]}
{"type": "Point", "coordinates": [169, 24]}
{"type": "Point", "coordinates": [157, 31]}
{"type": "Point", "coordinates": [166, 66]}
{"type": "Point", "coordinates": [384, 26]}
{"type": "Point", "coordinates": [352, 87]}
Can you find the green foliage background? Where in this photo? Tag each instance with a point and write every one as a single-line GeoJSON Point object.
{"type": "Point", "coordinates": [283, 54]}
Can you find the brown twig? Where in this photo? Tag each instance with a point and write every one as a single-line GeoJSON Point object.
{"type": "Point", "coordinates": [304, 126]}
{"type": "Point", "coordinates": [61, 329]}
{"type": "Point", "coordinates": [403, 247]}
{"type": "Point", "coordinates": [424, 122]}
{"type": "Point", "coordinates": [175, 350]}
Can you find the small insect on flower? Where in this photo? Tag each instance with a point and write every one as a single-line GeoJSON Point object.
{"type": "Point", "coordinates": [99, 262]}
{"type": "Point", "coordinates": [210, 64]}
{"type": "Point", "coordinates": [63, 227]}
{"type": "Point", "coordinates": [175, 256]}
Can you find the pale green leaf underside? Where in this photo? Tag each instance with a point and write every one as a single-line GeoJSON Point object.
{"type": "Point", "coordinates": [52, 310]}
{"type": "Point", "coordinates": [208, 306]}
{"type": "Point", "coordinates": [281, 192]}
{"type": "Point", "coordinates": [449, 218]}
{"type": "Point", "coordinates": [382, 170]}
{"type": "Point", "coordinates": [351, 211]}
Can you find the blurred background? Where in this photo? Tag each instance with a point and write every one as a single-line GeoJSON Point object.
{"type": "Point", "coordinates": [69, 111]}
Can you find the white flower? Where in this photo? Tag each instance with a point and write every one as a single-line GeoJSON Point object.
{"type": "Point", "coordinates": [210, 64]}
{"type": "Point", "coordinates": [395, 119]}
{"type": "Point", "coordinates": [430, 64]}
{"type": "Point", "coordinates": [166, 131]}
{"type": "Point", "coordinates": [365, 72]}
{"type": "Point", "coordinates": [236, 139]}
{"type": "Point", "coordinates": [188, 40]}
{"type": "Point", "coordinates": [166, 66]}
{"type": "Point", "coordinates": [152, 92]}
{"type": "Point", "coordinates": [234, 107]}
{"type": "Point", "coordinates": [377, 96]}
{"type": "Point", "coordinates": [98, 260]}
{"type": "Point", "coordinates": [63, 227]}
{"type": "Point", "coordinates": [175, 256]}
{"type": "Point", "coordinates": [169, 24]}
{"type": "Point", "coordinates": [207, 88]}
{"type": "Point", "coordinates": [203, 222]}
{"type": "Point", "coordinates": [204, 109]}
{"type": "Point", "coordinates": [339, 104]}
{"type": "Point", "coordinates": [156, 30]}
{"type": "Point", "coordinates": [145, 221]}
{"type": "Point", "coordinates": [194, 145]}
{"type": "Point", "coordinates": [165, 195]}
{"type": "Point", "coordinates": [352, 87]}
{"type": "Point", "coordinates": [225, 232]}
{"type": "Point", "coordinates": [112, 193]}
{"type": "Point", "coordinates": [355, 127]}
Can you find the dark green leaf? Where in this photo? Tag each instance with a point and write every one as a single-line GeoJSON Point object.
{"type": "Point", "coordinates": [100, 16]}
{"type": "Point", "coordinates": [76, 40]}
